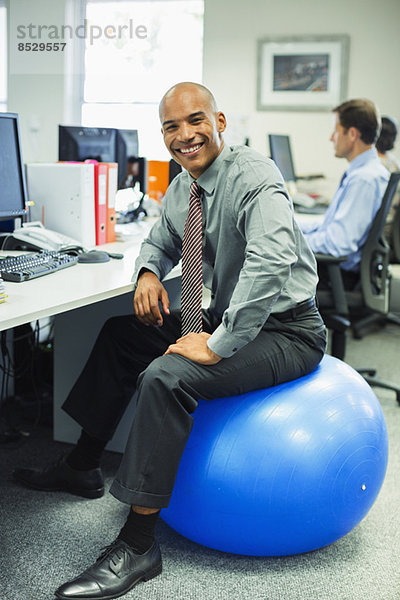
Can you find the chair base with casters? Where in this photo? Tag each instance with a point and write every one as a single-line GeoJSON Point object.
{"type": "Point", "coordinates": [334, 306]}
{"type": "Point", "coordinates": [361, 327]}
{"type": "Point", "coordinates": [371, 377]}
{"type": "Point", "coordinates": [338, 327]}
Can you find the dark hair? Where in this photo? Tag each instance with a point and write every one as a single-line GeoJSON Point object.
{"type": "Point", "coordinates": [361, 114]}
{"type": "Point", "coordinates": [387, 136]}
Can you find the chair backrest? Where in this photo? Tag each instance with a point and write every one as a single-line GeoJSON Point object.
{"type": "Point", "coordinates": [374, 266]}
{"type": "Point", "coordinates": [396, 234]}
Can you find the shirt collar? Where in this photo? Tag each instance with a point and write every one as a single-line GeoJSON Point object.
{"type": "Point", "coordinates": [362, 159]}
{"type": "Point", "coordinates": [208, 179]}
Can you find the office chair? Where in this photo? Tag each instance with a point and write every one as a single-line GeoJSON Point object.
{"type": "Point", "coordinates": [368, 302]}
{"type": "Point", "coordinates": [396, 235]}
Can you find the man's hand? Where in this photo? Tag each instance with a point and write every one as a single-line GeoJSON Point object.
{"type": "Point", "coordinates": [149, 292]}
{"type": "Point", "coordinates": [194, 346]}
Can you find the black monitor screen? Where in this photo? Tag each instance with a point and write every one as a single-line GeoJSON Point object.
{"type": "Point", "coordinates": [174, 170]}
{"type": "Point", "coordinates": [127, 153]}
{"type": "Point", "coordinates": [102, 144]}
{"type": "Point", "coordinates": [13, 196]}
{"type": "Point", "coordinates": [136, 174]}
{"type": "Point", "coordinates": [83, 143]}
{"type": "Point", "coordinates": [281, 154]}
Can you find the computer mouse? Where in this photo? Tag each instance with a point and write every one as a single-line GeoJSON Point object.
{"type": "Point", "coordinates": [93, 256]}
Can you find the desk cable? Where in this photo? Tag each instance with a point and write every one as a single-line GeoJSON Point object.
{"type": "Point", "coordinates": [13, 418]}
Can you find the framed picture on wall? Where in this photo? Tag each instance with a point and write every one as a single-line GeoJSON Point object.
{"type": "Point", "coordinates": [302, 72]}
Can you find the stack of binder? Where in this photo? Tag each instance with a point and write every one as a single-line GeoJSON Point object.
{"type": "Point", "coordinates": [105, 191]}
{"type": "Point", "coordinates": [3, 294]}
{"type": "Point", "coordinates": [76, 199]}
{"type": "Point", "coordinates": [100, 200]}
{"type": "Point", "coordinates": [112, 187]}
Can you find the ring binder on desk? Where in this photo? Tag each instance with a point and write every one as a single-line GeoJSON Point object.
{"type": "Point", "coordinates": [112, 186]}
{"type": "Point", "coordinates": [3, 293]}
{"type": "Point", "coordinates": [63, 196]}
{"type": "Point", "coordinates": [100, 200]}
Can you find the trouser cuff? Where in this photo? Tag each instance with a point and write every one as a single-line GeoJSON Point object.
{"type": "Point", "coordinates": [138, 497]}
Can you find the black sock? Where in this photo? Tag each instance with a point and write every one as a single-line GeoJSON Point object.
{"type": "Point", "coordinates": [87, 453]}
{"type": "Point", "coordinates": [138, 531]}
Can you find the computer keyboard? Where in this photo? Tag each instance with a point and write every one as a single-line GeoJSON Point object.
{"type": "Point", "coordinates": [35, 264]}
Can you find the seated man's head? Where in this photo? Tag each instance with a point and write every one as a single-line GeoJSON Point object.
{"type": "Point", "coordinates": [387, 136]}
{"type": "Point", "coordinates": [192, 126]}
{"type": "Point", "coordinates": [356, 128]}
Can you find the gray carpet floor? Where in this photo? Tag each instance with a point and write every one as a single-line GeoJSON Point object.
{"type": "Point", "coordinates": [47, 539]}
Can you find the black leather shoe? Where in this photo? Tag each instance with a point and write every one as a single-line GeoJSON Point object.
{"type": "Point", "coordinates": [117, 570]}
{"type": "Point", "coordinates": [59, 477]}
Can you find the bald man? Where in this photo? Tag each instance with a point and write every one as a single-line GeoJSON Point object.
{"type": "Point", "coordinates": [262, 328]}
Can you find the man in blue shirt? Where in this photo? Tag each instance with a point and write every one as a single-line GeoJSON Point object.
{"type": "Point", "coordinates": [347, 221]}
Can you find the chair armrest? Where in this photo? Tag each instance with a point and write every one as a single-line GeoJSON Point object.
{"type": "Point", "coordinates": [336, 322]}
{"type": "Point", "coordinates": [328, 259]}
{"type": "Point", "coordinates": [332, 264]}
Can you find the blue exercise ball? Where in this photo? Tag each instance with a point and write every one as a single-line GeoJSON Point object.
{"type": "Point", "coordinates": [282, 470]}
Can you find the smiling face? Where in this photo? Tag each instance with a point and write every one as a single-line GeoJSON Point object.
{"type": "Point", "coordinates": [192, 127]}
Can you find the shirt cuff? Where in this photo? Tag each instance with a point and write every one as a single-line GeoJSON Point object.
{"type": "Point", "coordinates": [308, 227]}
{"type": "Point", "coordinates": [149, 267]}
{"type": "Point", "coordinates": [223, 343]}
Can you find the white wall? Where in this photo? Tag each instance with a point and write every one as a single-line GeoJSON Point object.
{"type": "Point", "coordinates": [37, 98]}
{"type": "Point", "coordinates": [232, 28]}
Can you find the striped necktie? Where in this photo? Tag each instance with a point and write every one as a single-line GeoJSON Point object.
{"type": "Point", "coordinates": [192, 267]}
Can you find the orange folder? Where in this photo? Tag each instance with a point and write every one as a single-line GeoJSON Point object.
{"type": "Point", "coordinates": [112, 186]}
{"type": "Point", "coordinates": [157, 178]}
{"type": "Point", "coordinates": [100, 200]}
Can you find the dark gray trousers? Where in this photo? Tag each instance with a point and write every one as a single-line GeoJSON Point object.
{"type": "Point", "coordinates": [128, 356]}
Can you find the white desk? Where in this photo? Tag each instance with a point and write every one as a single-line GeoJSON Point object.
{"type": "Point", "coordinates": [81, 298]}
{"type": "Point", "coordinates": [71, 288]}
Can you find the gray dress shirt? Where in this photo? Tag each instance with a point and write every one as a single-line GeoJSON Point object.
{"type": "Point", "coordinates": [255, 259]}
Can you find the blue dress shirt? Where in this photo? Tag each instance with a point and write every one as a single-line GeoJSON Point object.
{"type": "Point", "coordinates": [350, 214]}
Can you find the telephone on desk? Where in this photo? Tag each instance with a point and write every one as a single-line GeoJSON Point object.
{"type": "Point", "coordinates": [303, 200]}
{"type": "Point", "coordinates": [305, 204]}
{"type": "Point", "coordinates": [33, 236]}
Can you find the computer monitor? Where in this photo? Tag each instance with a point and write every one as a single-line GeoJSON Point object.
{"type": "Point", "coordinates": [102, 144]}
{"type": "Point", "coordinates": [136, 173]}
{"type": "Point", "coordinates": [13, 194]}
{"type": "Point", "coordinates": [82, 143]}
{"type": "Point", "coordinates": [281, 154]}
{"type": "Point", "coordinates": [127, 151]}
{"type": "Point", "coordinates": [174, 170]}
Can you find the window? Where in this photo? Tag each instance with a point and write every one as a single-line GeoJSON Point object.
{"type": "Point", "coordinates": [152, 45]}
{"type": "Point", "coordinates": [3, 58]}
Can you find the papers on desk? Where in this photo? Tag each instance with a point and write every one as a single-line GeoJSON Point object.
{"type": "Point", "coordinates": [134, 230]}
{"type": "Point", "coordinates": [3, 294]}
{"type": "Point", "coordinates": [322, 190]}
{"type": "Point", "coordinates": [305, 218]}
